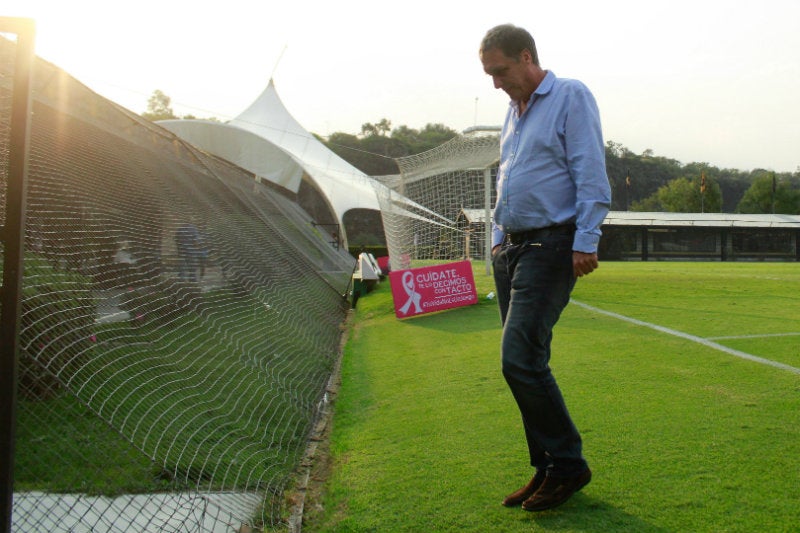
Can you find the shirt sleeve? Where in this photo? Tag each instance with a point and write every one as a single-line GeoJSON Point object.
{"type": "Point", "coordinates": [586, 160]}
{"type": "Point", "coordinates": [497, 235]}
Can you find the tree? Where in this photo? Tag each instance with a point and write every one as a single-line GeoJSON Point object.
{"type": "Point", "coordinates": [408, 136]}
{"type": "Point", "coordinates": [374, 152]}
{"type": "Point", "coordinates": [766, 189]}
{"type": "Point", "coordinates": [418, 141]}
{"type": "Point", "coordinates": [159, 107]}
{"type": "Point", "coordinates": [371, 155]}
{"type": "Point", "coordinates": [345, 140]}
{"type": "Point", "coordinates": [616, 149]}
{"type": "Point", "coordinates": [381, 128]}
{"type": "Point", "coordinates": [432, 135]}
{"type": "Point", "coordinates": [647, 173]}
{"type": "Point", "coordinates": [683, 195]}
{"type": "Point", "coordinates": [383, 151]}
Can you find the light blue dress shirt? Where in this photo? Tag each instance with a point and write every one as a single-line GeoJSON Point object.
{"type": "Point", "coordinates": [552, 164]}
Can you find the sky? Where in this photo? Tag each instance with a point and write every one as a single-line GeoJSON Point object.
{"type": "Point", "coordinates": [710, 81]}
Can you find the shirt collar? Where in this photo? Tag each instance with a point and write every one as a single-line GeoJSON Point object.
{"type": "Point", "coordinates": [544, 87]}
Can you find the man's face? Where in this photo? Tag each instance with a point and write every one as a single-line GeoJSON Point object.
{"type": "Point", "coordinates": [508, 73]}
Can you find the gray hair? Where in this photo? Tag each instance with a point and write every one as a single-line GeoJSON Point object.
{"type": "Point", "coordinates": [511, 40]}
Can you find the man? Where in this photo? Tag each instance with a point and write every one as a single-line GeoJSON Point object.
{"type": "Point", "coordinates": [552, 196]}
{"type": "Point", "coordinates": [188, 245]}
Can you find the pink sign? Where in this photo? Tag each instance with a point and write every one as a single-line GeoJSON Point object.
{"type": "Point", "coordinates": [434, 288]}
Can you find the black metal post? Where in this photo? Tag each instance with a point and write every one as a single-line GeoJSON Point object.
{"type": "Point", "coordinates": [13, 233]}
{"type": "Point", "coordinates": [627, 189]}
{"type": "Point", "coordinates": [723, 241]}
{"type": "Point", "coordinates": [645, 244]}
{"type": "Point", "coordinates": [774, 190]}
{"type": "Point", "coordinates": [797, 244]}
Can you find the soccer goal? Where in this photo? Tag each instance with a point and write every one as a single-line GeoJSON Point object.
{"type": "Point", "coordinates": [454, 184]}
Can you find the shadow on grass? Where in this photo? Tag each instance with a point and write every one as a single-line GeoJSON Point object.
{"type": "Point", "coordinates": [602, 516]}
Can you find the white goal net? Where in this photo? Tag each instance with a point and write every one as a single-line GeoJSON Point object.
{"type": "Point", "coordinates": [455, 184]}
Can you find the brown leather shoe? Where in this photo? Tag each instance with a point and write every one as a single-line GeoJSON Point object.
{"type": "Point", "coordinates": [556, 490]}
{"type": "Point", "coordinates": [516, 498]}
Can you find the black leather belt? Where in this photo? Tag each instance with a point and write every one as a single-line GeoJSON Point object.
{"type": "Point", "coordinates": [540, 233]}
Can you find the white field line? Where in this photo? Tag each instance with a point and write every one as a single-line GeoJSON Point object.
{"type": "Point", "coordinates": [792, 334]}
{"type": "Point", "coordinates": [693, 338]}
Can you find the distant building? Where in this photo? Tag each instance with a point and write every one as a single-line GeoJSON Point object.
{"type": "Point", "coordinates": [639, 236]}
{"type": "Point", "coordinates": [472, 223]}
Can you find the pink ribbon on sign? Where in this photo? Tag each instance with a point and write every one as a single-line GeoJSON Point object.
{"type": "Point", "coordinates": [413, 296]}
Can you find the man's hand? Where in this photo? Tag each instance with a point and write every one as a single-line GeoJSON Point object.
{"type": "Point", "coordinates": [583, 264]}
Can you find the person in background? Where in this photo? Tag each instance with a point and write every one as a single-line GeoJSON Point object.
{"type": "Point", "coordinates": [188, 243]}
{"type": "Point", "coordinates": [552, 196]}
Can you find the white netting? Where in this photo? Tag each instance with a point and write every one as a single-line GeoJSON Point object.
{"type": "Point", "coordinates": [455, 183]}
{"type": "Point", "coordinates": [180, 323]}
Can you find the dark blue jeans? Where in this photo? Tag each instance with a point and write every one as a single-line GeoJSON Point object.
{"type": "Point", "coordinates": [534, 280]}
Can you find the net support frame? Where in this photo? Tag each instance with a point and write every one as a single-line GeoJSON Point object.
{"type": "Point", "coordinates": [13, 239]}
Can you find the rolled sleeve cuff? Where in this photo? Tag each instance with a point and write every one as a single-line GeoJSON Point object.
{"type": "Point", "coordinates": [585, 242]}
{"type": "Point", "coordinates": [497, 236]}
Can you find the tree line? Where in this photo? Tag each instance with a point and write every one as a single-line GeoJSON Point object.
{"type": "Point", "coordinates": [647, 182]}
{"type": "Point", "coordinates": [639, 182]}
{"type": "Point", "coordinates": [374, 150]}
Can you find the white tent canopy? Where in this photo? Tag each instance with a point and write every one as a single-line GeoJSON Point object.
{"type": "Point", "coordinates": [245, 149]}
{"type": "Point", "coordinates": [266, 140]}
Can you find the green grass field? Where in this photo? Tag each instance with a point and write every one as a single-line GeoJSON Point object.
{"type": "Point", "coordinates": [181, 408]}
{"type": "Point", "coordinates": [681, 432]}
